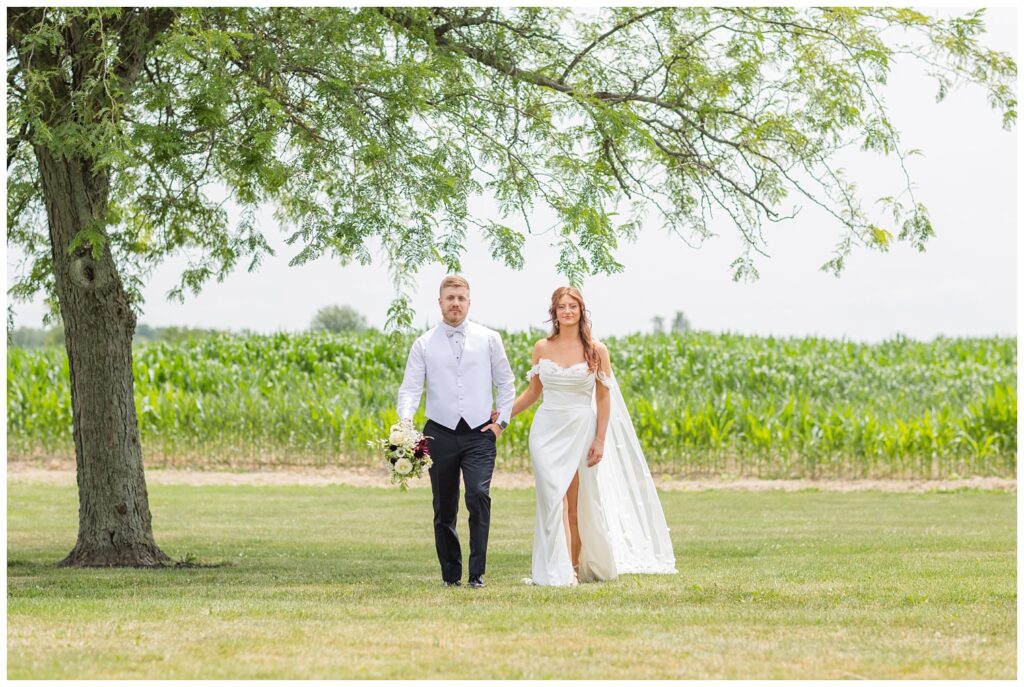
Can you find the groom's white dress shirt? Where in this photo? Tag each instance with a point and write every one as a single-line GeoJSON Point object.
{"type": "Point", "coordinates": [460, 365]}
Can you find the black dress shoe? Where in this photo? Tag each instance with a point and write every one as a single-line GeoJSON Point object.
{"type": "Point", "coordinates": [476, 582]}
{"type": "Point", "coordinates": [456, 583]}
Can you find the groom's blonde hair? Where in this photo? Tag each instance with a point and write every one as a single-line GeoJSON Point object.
{"type": "Point", "coordinates": [453, 280]}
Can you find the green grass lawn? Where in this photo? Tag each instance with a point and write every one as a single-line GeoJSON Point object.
{"type": "Point", "coordinates": [342, 582]}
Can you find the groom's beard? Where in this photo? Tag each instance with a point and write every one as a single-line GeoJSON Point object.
{"type": "Point", "coordinates": [454, 319]}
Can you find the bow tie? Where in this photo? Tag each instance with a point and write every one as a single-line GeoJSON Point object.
{"type": "Point", "coordinates": [451, 331]}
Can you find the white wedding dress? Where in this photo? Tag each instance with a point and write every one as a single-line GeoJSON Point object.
{"type": "Point", "coordinates": [621, 522]}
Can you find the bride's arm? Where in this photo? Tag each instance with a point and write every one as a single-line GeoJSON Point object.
{"type": "Point", "coordinates": [604, 408]}
{"type": "Point", "coordinates": [532, 392]}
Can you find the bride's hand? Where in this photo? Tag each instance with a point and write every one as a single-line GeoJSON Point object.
{"type": "Point", "coordinates": [596, 453]}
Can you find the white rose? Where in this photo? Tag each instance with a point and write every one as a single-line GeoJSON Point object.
{"type": "Point", "coordinates": [403, 466]}
{"type": "Point", "coordinates": [397, 437]}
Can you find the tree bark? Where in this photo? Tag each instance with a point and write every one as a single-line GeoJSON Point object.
{"type": "Point", "coordinates": [114, 521]}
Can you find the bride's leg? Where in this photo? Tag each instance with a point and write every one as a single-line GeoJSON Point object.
{"type": "Point", "coordinates": [570, 521]}
{"type": "Point", "coordinates": [574, 524]}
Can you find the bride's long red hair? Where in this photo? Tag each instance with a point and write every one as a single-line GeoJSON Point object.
{"type": "Point", "coordinates": [590, 354]}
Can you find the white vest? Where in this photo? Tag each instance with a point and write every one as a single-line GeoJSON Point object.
{"type": "Point", "coordinates": [459, 389]}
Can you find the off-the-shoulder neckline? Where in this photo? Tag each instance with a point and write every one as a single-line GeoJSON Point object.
{"type": "Point", "coordinates": [563, 367]}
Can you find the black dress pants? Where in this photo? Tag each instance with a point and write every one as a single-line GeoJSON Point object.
{"type": "Point", "coordinates": [472, 452]}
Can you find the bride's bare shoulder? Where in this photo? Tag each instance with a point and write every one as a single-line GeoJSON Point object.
{"type": "Point", "coordinates": [539, 349]}
{"type": "Point", "coordinates": [603, 357]}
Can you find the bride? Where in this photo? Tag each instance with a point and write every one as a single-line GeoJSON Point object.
{"type": "Point", "coordinates": [598, 514]}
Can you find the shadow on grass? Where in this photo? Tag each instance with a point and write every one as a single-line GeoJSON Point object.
{"type": "Point", "coordinates": [190, 561]}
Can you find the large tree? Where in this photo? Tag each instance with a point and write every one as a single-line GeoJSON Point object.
{"type": "Point", "coordinates": [126, 127]}
{"type": "Point", "coordinates": [338, 318]}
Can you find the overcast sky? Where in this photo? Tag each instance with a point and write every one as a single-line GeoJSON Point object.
{"type": "Point", "coordinates": [963, 285]}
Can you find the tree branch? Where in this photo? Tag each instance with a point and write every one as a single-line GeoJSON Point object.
{"type": "Point", "coordinates": [14, 141]}
{"type": "Point", "coordinates": [451, 24]}
{"type": "Point", "coordinates": [139, 34]}
{"type": "Point", "coordinates": [596, 41]}
{"type": "Point", "coordinates": [20, 21]}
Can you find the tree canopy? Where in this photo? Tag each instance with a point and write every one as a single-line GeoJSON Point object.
{"type": "Point", "coordinates": [363, 124]}
{"type": "Point", "coordinates": [338, 318]}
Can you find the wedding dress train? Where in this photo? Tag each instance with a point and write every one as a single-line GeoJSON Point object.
{"type": "Point", "coordinates": [621, 523]}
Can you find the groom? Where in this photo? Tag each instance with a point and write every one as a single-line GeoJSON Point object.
{"type": "Point", "coordinates": [460, 361]}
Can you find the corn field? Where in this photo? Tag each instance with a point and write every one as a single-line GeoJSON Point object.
{"type": "Point", "coordinates": [702, 403]}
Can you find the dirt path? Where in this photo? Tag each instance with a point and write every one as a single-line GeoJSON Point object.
{"type": "Point", "coordinates": [371, 477]}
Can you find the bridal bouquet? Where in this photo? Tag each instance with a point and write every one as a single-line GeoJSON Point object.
{"type": "Point", "coordinates": [406, 453]}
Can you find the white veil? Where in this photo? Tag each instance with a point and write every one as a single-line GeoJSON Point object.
{"type": "Point", "coordinates": [636, 522]}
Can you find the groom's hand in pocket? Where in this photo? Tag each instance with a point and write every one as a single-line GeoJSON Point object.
{"type": "Point", "coordinates": [493, 427]}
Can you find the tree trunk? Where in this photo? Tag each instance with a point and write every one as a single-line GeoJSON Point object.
{"type": "Point", "coordinates": [114, 522]}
